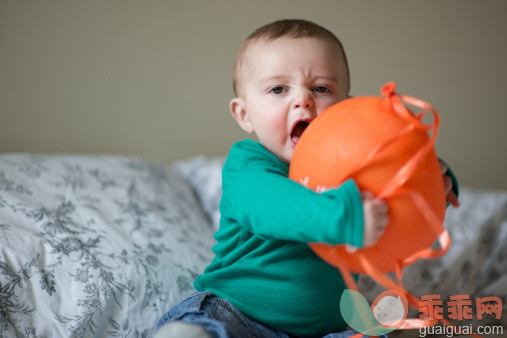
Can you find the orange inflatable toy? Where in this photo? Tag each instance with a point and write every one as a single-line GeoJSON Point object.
{"type": "Point", "coordinates": [388, 150]}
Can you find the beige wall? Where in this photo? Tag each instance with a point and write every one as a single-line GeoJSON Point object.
{"type": "Point", "coordinates": [153, 78]}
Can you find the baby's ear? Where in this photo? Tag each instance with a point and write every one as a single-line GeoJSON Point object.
{"type": "Point", "coordinates": [238, 110]}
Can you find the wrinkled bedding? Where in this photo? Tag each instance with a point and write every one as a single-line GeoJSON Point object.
{"type": "Point", "coordinates": [95, 246]}
{"type": "Point", "coordinates": [104, 245]}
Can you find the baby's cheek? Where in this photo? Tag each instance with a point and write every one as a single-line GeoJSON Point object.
{"type": "Point", "coordinates": [277, 128]}
{"type": "Point", "coordinates": [322, 107]}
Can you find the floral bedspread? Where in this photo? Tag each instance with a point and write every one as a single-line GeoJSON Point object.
{"type": "Point", "coordinates": [95, 246]}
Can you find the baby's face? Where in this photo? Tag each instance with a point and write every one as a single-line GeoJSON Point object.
{"type": "Point", "coordinates": [286, 83]}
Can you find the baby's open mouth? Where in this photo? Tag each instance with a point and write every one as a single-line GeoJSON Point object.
{"type": "Point", "coordinates": [297, 131]}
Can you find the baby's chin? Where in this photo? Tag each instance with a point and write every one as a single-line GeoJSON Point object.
{"type": "Point", "coordinates": [287, 157]}
{"type": "Point", "coordinates": [284, 154]}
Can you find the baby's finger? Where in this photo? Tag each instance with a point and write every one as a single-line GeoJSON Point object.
{"type": "Point", "coordinates": [379, 207]}
{"type": "Point", "coordinates": [453, 199]}
{"type": "Point", "coordinates": [447, 183]}
{"type": "Point", "coordinates": [366, 195]}
{"type": "Point", "coordinates": [382, 223]}
{"type": "Point", "coordinates": [380, 228]}
{"type": "Point", "coordinates": [443, 167]}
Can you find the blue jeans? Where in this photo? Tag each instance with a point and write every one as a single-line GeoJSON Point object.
{"type": "Point", "coordinates": [222, 320]}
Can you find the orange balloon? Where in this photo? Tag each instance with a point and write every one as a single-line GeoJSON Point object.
{"type": "Point", "coordinates": [387, 150]}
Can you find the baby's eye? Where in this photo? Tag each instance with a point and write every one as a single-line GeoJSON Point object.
{"type": "Point", "coordinates": [322, 89]}
{"type": "Point", "coordinates": [277, 90]}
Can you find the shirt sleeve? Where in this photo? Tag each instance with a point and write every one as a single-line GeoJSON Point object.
{"type": "Point", "coordinates": [258, 195]}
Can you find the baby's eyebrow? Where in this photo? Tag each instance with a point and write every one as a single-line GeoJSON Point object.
{"type": "Point", "coordinates": [326, 78]}
{"type": "Point", "coordinates": [271, 79]}
{"type": "Point", "coordinates": [283, 78]}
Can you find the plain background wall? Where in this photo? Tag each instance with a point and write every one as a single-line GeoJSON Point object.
{"type": "Point", "coordinates": [153, 78]}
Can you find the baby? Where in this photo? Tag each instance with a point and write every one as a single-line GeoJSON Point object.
{"type": "Point", "coordinates": [265, 281]}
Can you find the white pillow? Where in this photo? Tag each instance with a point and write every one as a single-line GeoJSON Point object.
{"type": "Point", "coordinates": [95, 245]}
{"type": "Point", "coordinates": [205, 176]}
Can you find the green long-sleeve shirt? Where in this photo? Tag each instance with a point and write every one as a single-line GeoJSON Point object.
{"type": "Point", "coordinates": [262, 263]}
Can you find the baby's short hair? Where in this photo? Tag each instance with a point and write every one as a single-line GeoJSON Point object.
{"type": "Point", "coordinates": [290, 28]}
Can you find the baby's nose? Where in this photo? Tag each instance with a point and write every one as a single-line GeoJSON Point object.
{"type": "Point", "coordinates": [303, 99]}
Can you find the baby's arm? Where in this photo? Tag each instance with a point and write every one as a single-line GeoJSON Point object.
{"type": "Point", "coordinates": [258, 195]}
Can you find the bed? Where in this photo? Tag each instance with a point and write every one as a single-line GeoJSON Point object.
{"type": "Point", "coordinates": [104, 245]}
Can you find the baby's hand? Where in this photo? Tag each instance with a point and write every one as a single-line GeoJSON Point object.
{"type": "Point", "coordinates": [450, 196]}
{"type": "Point", "coordinates": [375, 218]}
